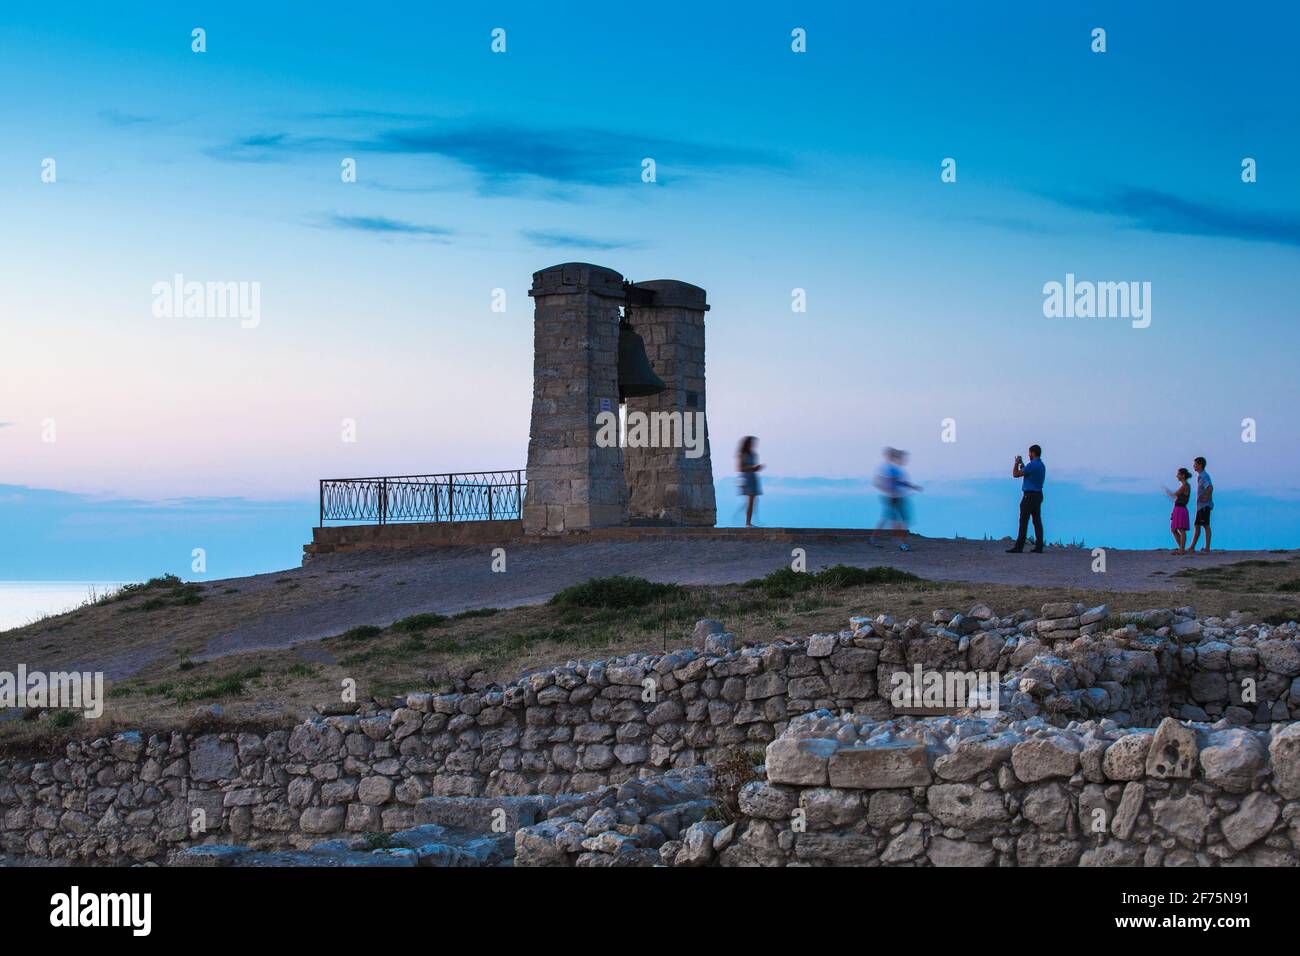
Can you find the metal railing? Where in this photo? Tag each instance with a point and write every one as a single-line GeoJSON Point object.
{"type": "Point", "coordinates": [463, 496]}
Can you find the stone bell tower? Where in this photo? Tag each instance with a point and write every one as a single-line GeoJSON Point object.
{"type": "Point", "coordinates": [672, 484]}
{"type": "Point", "coordinates": [576, 482]}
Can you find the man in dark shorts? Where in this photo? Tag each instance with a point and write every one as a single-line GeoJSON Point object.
{"type": "Point", "coordinates": [1204, 503]}
{"type": "Point", "coordinates": [1031, 500]}
{"type": "Point", "coordinates": [894, 488]}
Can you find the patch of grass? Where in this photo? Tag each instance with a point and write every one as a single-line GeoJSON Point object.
{"type": "Point", "coordinates": [786, 582]}
{"type": "Point", "coordinates": [421, 622]}
{"type": "Point", "coordinates": [360, 633]}
{"type": "Point", "coordinates": [163, 592]}
{"type": "Point", "coordinates": [385, 689]}
{"type": "Point", "coordinates": [402, 651]}
{"type": "Point", "coordinates": [201, 688]}
{"type": "Point", "coordinates": [62, 719]}
{"type": "Point", "coordinates": [844, 576]}
{"type": "Point", "coordinates": [1255, 576]}
{"type": "Point", "coordinates": [133, 590]}
{"type": "Point", "coordinates": [616, 592]}
{"type": "Point", "coordinates": [476, 612]}
{"type": "Point", "coordinates": [231, 685]}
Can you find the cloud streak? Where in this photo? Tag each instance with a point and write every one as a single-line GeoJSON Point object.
{"type": "Point", "coordinates": [382, 225]}
{"type": "Point", "coordinates": [509, 157]}
{"type": "Point", "coordinates": [1151, 210]}
{"type": "Point", "coordinates": [553, 239]}
{"type": "Point", "coordinates": [123, 120]}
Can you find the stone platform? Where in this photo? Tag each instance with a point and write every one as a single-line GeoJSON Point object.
{"type": "Point", "coordinates": [454, 534]}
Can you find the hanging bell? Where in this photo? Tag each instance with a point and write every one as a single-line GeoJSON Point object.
{"type": "Point", "coordinates": [636, 378]}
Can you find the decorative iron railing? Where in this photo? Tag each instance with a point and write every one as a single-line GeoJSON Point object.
{"type": "Point", "coordinates": [465, 496]}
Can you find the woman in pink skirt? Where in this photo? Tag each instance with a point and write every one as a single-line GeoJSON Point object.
{"type": "Point", "coordinates": [1178, 520]}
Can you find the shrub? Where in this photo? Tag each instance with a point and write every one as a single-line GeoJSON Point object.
{"type": "Point", "coordinates": [614, 592]}
{"type": "Point", "coordinates": [421, 622]}
{"type": "Point", "coordinates": [174, 593]}
{"type": "Point", "coordinates": [361, 633]}
{"type": "Point", "coordinates": [786, 582]}
{"type": "Point", "coordinates": [845, 576]}
{"type": "Point", "coordinates": [62, 719]}
{"type": "Point", "coordinates": [476, 612]}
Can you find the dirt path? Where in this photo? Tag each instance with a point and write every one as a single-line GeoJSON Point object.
{"type": "Point", "coordinates": [337, 592]}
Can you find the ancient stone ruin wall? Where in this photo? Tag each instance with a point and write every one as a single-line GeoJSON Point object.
{"type": "Point", "coordinates": [844, 792]}
{"type": "Point", "coordinates": [587, 724]}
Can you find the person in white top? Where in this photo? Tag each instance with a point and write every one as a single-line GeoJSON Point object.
{"type": "Point", "coordinates": [894, 487]}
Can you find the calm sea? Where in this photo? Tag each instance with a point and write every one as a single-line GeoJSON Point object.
{"type": "Point", "coordinates": [22, 602]}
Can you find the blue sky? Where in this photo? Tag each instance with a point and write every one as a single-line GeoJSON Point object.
{"type": "Point", "coordinates": [776, 171]}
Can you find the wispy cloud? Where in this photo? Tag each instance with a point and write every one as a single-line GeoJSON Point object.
{"type": "Point", "coordinates": [121, 119]}
{"type": "Point", "coordinates": [389, 227]}
{"type": "Point", "coordinates": [1014, 224]}
{"type": "Point", "coordinates": [552, 239]}
{"type": "Point", "coordinates": [1155, 211]}
{"type": "Point", "coordinates": [510, 157]}
{"type": "Point", "coordinates": [347, 115]}
{"type": "Point", "coordinates": [263, 148]}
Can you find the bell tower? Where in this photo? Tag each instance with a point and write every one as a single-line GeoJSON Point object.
{"type": "Point", "coordinates": [599, 341]}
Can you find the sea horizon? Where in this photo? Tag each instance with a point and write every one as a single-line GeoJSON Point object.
{"type": "Point", "coordinates": [261, 538]}
{"type": "Point", "coordinates": [22, 602]}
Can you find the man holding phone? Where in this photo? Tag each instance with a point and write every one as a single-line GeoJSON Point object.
{"type": "Point", "coordinates": [1031, 500]}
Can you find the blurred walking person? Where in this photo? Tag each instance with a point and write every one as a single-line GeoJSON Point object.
{"type": "Point", "coordinates": [894, 487]}
{"type": "Point", "coordinates": [748, 467]}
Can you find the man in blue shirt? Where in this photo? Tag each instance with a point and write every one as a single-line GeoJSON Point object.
{"type": "Point", "coordinates": [1031, 500]}
{"type": "Point", "coordinates": [1204, 503]}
